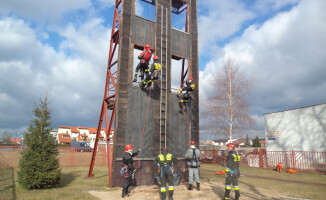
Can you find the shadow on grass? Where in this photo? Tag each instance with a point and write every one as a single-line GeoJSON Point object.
{"type": "Point", "coordinates": [68, 178]}
{"type": "Point", "coordinates": [217, 190]}
{"type": "Point", "coordinates": [7, 186]}
{"type": "Point", "coordinates": [256, 195]}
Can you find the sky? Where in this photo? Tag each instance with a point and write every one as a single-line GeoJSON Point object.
{"type": "Point", "coordinates": [60, 49]}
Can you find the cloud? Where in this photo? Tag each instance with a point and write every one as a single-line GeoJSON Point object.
{"type": "Point", "coordinates": [73, 77]}
{"type": "Point", "coordinates": [220, 20]}
{"type": "Point", "coordinates": [285, 57]}
{"type": "Point", "coordinates": [39, 10]}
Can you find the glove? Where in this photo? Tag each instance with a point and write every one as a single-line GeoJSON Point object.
{"type": "Point", "coordinates": [180, 90]}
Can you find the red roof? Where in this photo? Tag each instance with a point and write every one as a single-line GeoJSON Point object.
{"type": "Point", "coordinates": [79, 138]}
{"type": "Point", "coordinates": [16, 140]}
{"type": "Point", "coordinates": [90, 129]}
{"type": "Point", "coordinates": [64, 139]}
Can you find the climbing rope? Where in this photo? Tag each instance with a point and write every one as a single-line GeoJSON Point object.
{"type": "Point", "coordinates": [142, 135]}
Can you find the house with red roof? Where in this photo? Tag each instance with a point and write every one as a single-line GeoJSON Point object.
{"type": "Point", "coordinates": [80, 134]}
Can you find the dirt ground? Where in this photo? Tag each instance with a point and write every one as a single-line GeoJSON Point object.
{"type": "Point", "coordinates": [209, 190]}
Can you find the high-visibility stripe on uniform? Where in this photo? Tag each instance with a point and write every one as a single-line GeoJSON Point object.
{"type": "Point", "coordinates": [228, 187]}
{"type": "Point", "coordinates": [192, 86]}
{"type": "Point", "coordinates": [236, 187]}
{"type": "Point", "coordinates": [168, 157]}
{"type": "Point", "coordinates": [171, 188]}
{"type": "Point", "coordinates": [226, 198]}
{"type": "Point", "coordinates": [163, 189]}
{"type": "Point", "coordinates": [227, 170]}
{"type": "Point", "coordinates": [157, 66]}
{"type": "Point", "coordinates": [236, 158]}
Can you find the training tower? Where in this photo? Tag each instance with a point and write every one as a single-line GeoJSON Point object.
{"type": "Point", "coordinates": [149, 120]}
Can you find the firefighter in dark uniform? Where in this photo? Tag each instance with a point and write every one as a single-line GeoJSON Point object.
{"type": "Point", "coordinates": [232, 172]}
{"type": "Point", "coordinates": [165, 162]}
{"type": "Point", "coordinates": [189, 88]}
{"type": "Point", "coordinates": [142, 66]}
{"type": "Point", "coordinates": [154, 74]}
{"type": "Point", "coordinates": [129, 170]}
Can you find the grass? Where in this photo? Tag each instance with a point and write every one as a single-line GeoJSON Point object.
{"type": "Point", "coordinates": [300, 185]}
{"type": "Point", "coordinates": [7, 186]}
{"type": "Point", "coordinates": [75, 185]}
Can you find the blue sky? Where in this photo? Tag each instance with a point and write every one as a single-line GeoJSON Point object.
{"type": "Point", "coordinates": [61, 48]}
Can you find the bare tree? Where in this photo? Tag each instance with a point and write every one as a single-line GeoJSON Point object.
{"type": "Point", "coordinates": [6, 137]}
{"type": "Point", "coordinates": [227, 109]}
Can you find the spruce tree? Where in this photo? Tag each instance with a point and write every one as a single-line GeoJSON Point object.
{"type": "Point", "coordinates": [247, 141]}
{"type": "Point", "coordinates": [39, 167]}
{"type": "Point", "coordinates": [256, 142]}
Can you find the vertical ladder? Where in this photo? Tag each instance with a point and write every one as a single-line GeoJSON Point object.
{"type": "Point", "coordinates": [164, 92]}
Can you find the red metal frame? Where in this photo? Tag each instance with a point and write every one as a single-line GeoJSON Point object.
{"type": "Point", "coordinates": [109, 99]}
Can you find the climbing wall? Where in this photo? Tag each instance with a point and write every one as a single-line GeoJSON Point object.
{"type": "Point", "coordinates": [163, 125]}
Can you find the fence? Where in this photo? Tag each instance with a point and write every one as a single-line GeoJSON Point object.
{"type": "Point", "coordinates": [306, 161]}
{"type": "Point", "coordinates": [68, 156]}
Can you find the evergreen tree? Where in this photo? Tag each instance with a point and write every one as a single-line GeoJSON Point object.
{"type": "Point", "coordinates": [39, 166]}
{"type": "Point", "coordinates": [256, 142]}
{"type": "Point", "coordinates": [247, 142]}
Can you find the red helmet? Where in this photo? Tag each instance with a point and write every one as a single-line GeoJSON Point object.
{"type": "Point", "coordinates": [192, 143]}
{"type": "Point", "coordinates": [231, 145]}
{"type": "Point", "coordinates": [129, 147]}
{"type": "Point", "coordinates": [147, 47]}
{"type": "Point", "coordinates": [190, 78]}
{"type": "Point", "coordinates": [155, 58]}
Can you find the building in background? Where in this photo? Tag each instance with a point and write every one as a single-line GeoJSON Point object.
{"type": "Point", "coordinates": [299, 129]}
{"type": "Point", "coordinates": [67, 134]}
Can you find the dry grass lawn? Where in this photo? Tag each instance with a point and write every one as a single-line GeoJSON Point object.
{"type": "Point", "coordinates": [254, 184]}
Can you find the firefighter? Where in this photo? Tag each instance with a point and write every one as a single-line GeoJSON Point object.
{"type": "Point", "coordinates": [192, 158]}
{"type": "Point", "coordinates": [189, 88]}
{"type": "Point", "coordinates": [232, 172]}
{"type": "Point", "coordinates": [128, 166]}
{"type": "Point", "coordinates": [165, 162]}
{"type": "Point", "coordinates": [154, 74]}
{"type": "Point", "coordinates": [142, 66]}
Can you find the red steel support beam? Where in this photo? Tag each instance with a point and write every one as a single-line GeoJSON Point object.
{"type": "Point", "coordinates": [109, 93]}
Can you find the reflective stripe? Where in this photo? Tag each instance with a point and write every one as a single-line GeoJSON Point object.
{"type": "Point", "coordinates": [227, 170]}
{"type": "Point", "coordinates": [169, 156]}
{"type": "Point", "coordinates": [193, 86]}
{"type": "Point", "coordinates": [163, 189]}
{"type": "Point", "coordinates": [157, 66]}
{"type": "Point", "coordinates": [171, 188]}
{"type": "Point", "coordinates": [185, 101]}
{"type": "Point", "coordinates": [226, 198]}
{"type": "Point", "coordinates": [149, 81]}
{"type": "Point", "coordinates": [146, 70]}
{"type": "Point", "coordinates": [161, 157]}
{"type": "Point", "coordinates": [236, 158]}
{"type": "Point", "coordinates": [228, 187]}
{"type": "Point", "coordinates": [136, 72]}
{"type": "Point", "coordinates": [236, 187]}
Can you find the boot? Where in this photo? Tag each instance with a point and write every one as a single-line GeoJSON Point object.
{"type": "Point", "coordinates": [198, 186]}
{"type": "Point", "coordinates": [124, 194]}
{"type": "Point", "coordinates": [190, 187]}
{"type": "Point", "coordinates": [237, 194]}
{"type": "Point", "coordinates": [163, 195]}
{"type": "Point", "coordinates": [227, 194]}
{"type": "Point", "coordinates": [170, 195]}
{"type": "Point", "coordinates": [181, 106]}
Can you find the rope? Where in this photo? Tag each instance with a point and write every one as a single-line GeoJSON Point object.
{"type": "Point", "coordinates": [183, 53]}
{"type": "Point", "coordinates": [141, 141]}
